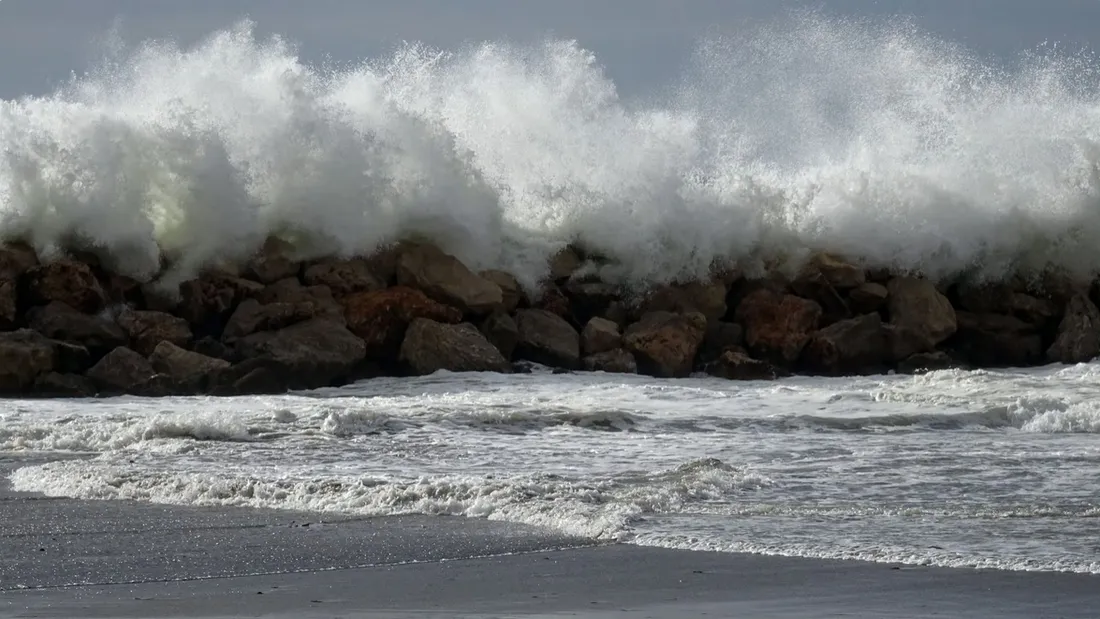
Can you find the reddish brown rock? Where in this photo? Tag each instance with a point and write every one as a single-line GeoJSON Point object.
{"type": "Point", "coordinates": [735, 365]}
{"type": "Point", "coordinates": [310, 354]}
{"type": "Point", "coordinates": [665, 344]}
{"type": "Point", "coordinates": [58, 321]}
{"type": "Point", "coordinates": [252, 316]}
{"type": "Point", "coordinates": [1078, 338]}
{"type": "Point", "coordinates": [921, 318]}
{"type": "Point", "coordinates": [617, 361]}
{"type": "Point", "coordinates": [600, 335]}
{"type": "Point", "coordinates": [548, 339]}
{"type": "Point", "coordinates": [24, 356]}
{"type": "Point", "coordinates": [777, 326]}
{"type": "Point", "coordinates": [445, 279]}
{"type": "Point", "coordinates": [147, 329]}
{"type": "Point", "coordinates": [511, 291]}
{"type": "Point", "coordinates": [121, 371]}
{"type": "Point", "coordinates": [342, 277]}
{"type": "Point", "coordinates": [867, 298]}
{"type": "Point", "coordinates": [431, 346]}
{"type": "Point", "coordinates": [188, 371]}
{"type": "Point", "coordinates": [856, 346]}
{"type": "Point", "coordinates": [70, 282]}
{"type": "Point", "coordinates": [501, 330]}
{"type": "Point", "coordinates": [380, 318]}
{"type": "Point", "coordinates": [272, 263]}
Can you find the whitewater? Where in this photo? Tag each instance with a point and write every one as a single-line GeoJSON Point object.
{"type": "Point", "coordinates": [872, 140]}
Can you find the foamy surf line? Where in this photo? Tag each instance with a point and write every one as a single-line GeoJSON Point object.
{"type": "Point", "coordinates": [872, 140]}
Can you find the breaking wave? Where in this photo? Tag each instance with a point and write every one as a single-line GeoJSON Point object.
{"type": "Point", "coordinates": [870, 139]}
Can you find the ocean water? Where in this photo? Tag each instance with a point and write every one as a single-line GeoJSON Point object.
{"type": "Point", "coordinates": [874, 140]}
{"type": "Point", "coordinates": [953, 468]}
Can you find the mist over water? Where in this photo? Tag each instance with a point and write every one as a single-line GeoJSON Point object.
{"type": "Point", "coordinates": [871, 139]}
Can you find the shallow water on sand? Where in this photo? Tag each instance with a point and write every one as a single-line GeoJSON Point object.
{"type": "Point", "coordinates": [954, 468]}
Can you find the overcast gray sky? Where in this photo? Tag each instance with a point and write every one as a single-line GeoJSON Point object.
{"type": "Point", "coordinates": [639, 41]}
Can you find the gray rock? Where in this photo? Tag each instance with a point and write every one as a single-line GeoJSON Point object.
{"type": "Point", "coordinates": [431, 346]}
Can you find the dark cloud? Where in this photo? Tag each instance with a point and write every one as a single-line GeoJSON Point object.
{"type": "Point", "coordinates": [640, 41]}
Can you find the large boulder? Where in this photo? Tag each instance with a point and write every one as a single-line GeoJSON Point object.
{"type": "Point", "coordinates": [736, 365]}
{"type": "Point", "coordinates": [252, 316]}
{"type": "Point", "coordinates": [68, 281]}
{"type": "Point", "coordinates": [343, 276]}
{"type": "Point", "coordinates": [24, 356]}
{"type": "Point", "coordinates": [314, 353]}
{"type": "Point", "coordinates": [57, 385]}
{"type": "Point", "coordinates": [205, 302]}
{"type": "Point", "coordinates": [122, 370]}
{"type": "Point", "coordinates": [431, 346]}
{"type": "Point", "coordinates": [856, 346]}
{"type": "Point", "coordinates": [600, 335]}
{"type": "Point", "coordinates": [665, 344]}
{"type": "Point", "coordinates": [1078, 338]}
{"type": "Point", "coordinates": [511, 291]}
{"type": "Point", "coordinates": [272, 263]}
{"type": "Point", "coordinates": [188, 371]}
{"type": "Point", "coordinates": [921, 317]}
{"type": "Point", "coordinates": [707, 298]}
{"type": "Point", "coordinates": [147, 329]}
{"type": "Point", "coordinates": [867, 298]}
{"type": "Point", "coordinates": [548, 339]}
{"type": "Point", "coordinates": [836, 271]}
{"type": "Point", "coordinates": [58, 321]}
{"type": "Point", "coordinates": [996, 340]}
{"type": "Point", "coordinates": [590, 297]}
{"type": "Point", "coordinates": [777, 326]}
{"type": "Point", "coordinates": [380, 318]}
{"type": "Point", "coordinates": [617, 361]}
{"type": "Point", "coordinates": [720, 337]}
{"type": "Point", "coordinates": [501, 330]}
{"type": "Point", "coordinates": [15, 260]}
{"type": "Point", "coordinates": [292, 292]}
{"type": "Point", "coordinates": [444, 278]}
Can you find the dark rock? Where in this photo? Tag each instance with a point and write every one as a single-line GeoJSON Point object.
{"type": "Point", "coordinates": [501, 330]}
{"type": "Point", "coordinates": [272, 263]}
{"type": "Point", "coordinates": [511, 291]}
{"type": "Point", "coordinates": [15, 260]}
{"type": "Point", "coordinates": [147, 329]}
{"type": "Point", "coordinates": [707, 298]}
{"type": "Point", "coordinates": [1031, 309]}
{"type": "Point", "coordinates": [431, 346]}
{"type": "Point", "coordinates": [551, 299]}
{"type": "Point", "coordinates": [122, 371]}
{"type": "Point", "coordinates": [987, 298]}
{"type": "Point", "coordinates": [867, 298]}
{"type": "Point", "coordinates": [343, 277]}
{"type": "Point", "coordinates": [996, 340]}
{"type": "Point", "coordinates": [252, 316]}
{"type": "Point", "coordinates": [734, 365]}
{"type": "Point", "coordinates": [1078, 338]}
{"type": "Point", "coordinates": [548, 339]}
{"type": "Point", "coordinates": [815, 287]}
{"type": "Point", "coordinates": [250, 377]}
{"type": "Point", "coordinates": [837, 272]}
{"type": "Point", "coordinates": [70, 282]}
{"type": "Point", "coordinates": [314, 353]}
{"type": "Point", "coordinates": [600, 335]}
{"type": "Point", "coordinates": [55, 385]}
{"type": "Point", "coordinates": [58, 321]}
{"type": "Point", "coordinates": [617, 361]}
{"type": "Point", "coordinates": [212, 347]}
{"type": "Point", "coordinates": [777, 326]}
{"type": "Point", "coordinates": [9, 304]}
{"type": "Point", "coordinates": [564, 263]}
{"type": "Point", "coordinates": [380, 318]}
{"type": "Point", "coordinates": [71, 358]}
{"type": "Point", "coordinates": [665, 344]}
{"type": "Point", "coordinates": [292, 292]}
{"type": "Point", "coordinates": [855, 346]}
{"type": "Point", "coordinates": [921, 317]}
{"type": "Point", "coordinates": [445, 279]}
{"type": "Point", "coordinates": [720, 337]}
{"type": "Point", "coordinates": [206, 302]}
{"type": "Point", "coordinates": [24, 356]}
{"type": "Point", "coordinates": [189, 371]}
{"type": "Point", "coordinates": [927, 362]}
{"type": "Point", "coordinates": [589, 298]}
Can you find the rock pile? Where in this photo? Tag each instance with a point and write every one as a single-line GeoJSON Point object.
{"type": "Point", "coordinates": [70, 327]}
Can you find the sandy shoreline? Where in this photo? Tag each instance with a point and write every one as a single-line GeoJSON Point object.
{"type": "Point", "coordinates": [70, 558]}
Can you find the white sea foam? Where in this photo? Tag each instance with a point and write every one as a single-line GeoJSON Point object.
{"type": "Point", "coordinates": [870, 139]}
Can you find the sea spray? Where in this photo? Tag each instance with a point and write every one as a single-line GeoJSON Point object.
{"type": "Point", "coordinates": [874, 140]}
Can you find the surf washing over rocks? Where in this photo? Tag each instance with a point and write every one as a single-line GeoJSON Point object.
{"type": "Point", "coordinates": [870, 140]}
